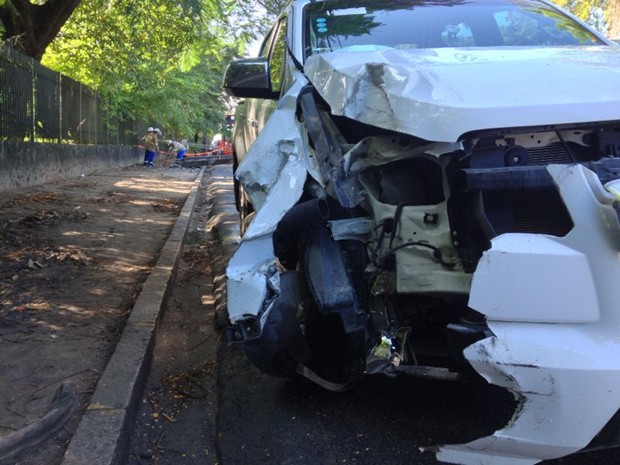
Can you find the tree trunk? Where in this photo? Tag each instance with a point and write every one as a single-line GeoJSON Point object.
{"type": "Point", "coordinates": [30, 28]}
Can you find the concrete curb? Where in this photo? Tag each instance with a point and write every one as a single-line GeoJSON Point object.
{"type": "Point", "coordinates": [223, 223]}
{"type": "Point", "coordinates": [103, 435]}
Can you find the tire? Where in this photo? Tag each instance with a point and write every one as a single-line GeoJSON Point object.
{"type": "Point", "coordinates": [246, 210]}
{"type": "Point", "coordinates": [242, 201]}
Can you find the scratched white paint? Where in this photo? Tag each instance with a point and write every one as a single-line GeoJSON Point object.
{"type": "Point", "coordinates": [273, 173]}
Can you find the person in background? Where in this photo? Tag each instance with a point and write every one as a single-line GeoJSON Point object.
{"type": "Point", "coordinates": [177, 147]}
{"type": "Point", "coordinates": [150, 147]}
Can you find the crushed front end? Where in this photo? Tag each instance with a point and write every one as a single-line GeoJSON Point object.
{"type": "Point", "coordinates": [374, 250]}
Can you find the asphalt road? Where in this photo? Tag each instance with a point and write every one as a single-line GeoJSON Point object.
{"type": "Point", "coordinates": [206, 404]}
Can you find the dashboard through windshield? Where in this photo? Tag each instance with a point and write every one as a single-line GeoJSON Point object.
{"type": "Point", "coordinates": [376, 25]}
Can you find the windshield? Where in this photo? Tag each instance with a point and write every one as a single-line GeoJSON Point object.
{"type": "Point", "coordinates": [374, 25]}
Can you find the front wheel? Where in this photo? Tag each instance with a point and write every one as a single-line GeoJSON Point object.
{"type": "Point", "coordinates": [246, 211]}
{"type": "Point", "coordinates": [242, 202]}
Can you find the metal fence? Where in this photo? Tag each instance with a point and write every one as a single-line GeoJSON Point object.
{"type": "Point", "coordinates": [41, 105]}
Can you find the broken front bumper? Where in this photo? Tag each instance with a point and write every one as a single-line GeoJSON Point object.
{"type": "Point", "coordinates": [553, 306]}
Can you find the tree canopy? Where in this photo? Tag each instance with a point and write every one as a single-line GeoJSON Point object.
{"type": "Point", "coordinates": [162, 61]}
{"type": "Point", "coordinates": [604, 15]}
{"type": "Point", "coordinates": [159, 61]}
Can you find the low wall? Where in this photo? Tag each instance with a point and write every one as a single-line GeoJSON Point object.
{"type": "Point", "coordinates": [27, 163]}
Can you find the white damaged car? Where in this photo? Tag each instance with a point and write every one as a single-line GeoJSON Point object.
{"type": "Point", "coordinates": [431, 186]}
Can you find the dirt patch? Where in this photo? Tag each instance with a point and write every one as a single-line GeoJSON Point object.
{"type": "Point", "coordinates": [175, 422]}
{"type": "Point", "coordinates": [74, 256]}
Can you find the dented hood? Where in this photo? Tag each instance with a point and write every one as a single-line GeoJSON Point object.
{"type": "Point", "coordinates": [440, 94]}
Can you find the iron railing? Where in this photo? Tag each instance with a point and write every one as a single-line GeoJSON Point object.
{"type": "Point", "coordinates": [41, 105]}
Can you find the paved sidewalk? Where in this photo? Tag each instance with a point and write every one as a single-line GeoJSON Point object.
{"type": "Point", "coordinates": [85, 266]}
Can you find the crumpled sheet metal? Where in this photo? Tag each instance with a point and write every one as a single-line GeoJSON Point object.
{"type": "Point", "coordinates": [273, 173]}
{"type": "Point", "coordinates": [566, 375]}
{"type": "Point", "coordinates": [441, 94]}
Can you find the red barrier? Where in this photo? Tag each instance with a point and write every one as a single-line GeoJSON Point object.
{"type": "Point", "coordinates": [199, 154]}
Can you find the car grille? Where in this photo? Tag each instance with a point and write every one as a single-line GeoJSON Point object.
{"type": "Point", "coordinates": [540, 211]}
{"type": "Point", "coordinates": [555, 153]}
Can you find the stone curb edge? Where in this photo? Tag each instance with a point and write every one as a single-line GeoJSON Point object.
{"type": "Point", "coordinates": [103, 435]}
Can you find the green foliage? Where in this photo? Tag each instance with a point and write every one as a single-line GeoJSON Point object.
{"type": "Point", "coordinates": [273, 7]}
{"type": "Point", "coordinates": [159, 61]}
{"type": "Point", "coordinates": [583, 9]}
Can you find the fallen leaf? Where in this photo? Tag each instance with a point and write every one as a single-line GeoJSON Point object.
{"type": "Point", "coordinates": [37, 306]}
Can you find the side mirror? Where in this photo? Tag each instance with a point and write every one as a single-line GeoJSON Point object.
{"type": "Point", "coordinates": [249, 78]}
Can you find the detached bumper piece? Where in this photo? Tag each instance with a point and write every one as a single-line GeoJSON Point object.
{"type": "Point", "coordinates": [552, 304]}
{"type": "Point", "coordinates": [274, 342]}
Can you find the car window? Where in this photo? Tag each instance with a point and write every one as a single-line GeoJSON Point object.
{"type": "Point", "coordinates": [276, 59]}
{"type": "Point", "coordinates": [528, 28]}
{"type": "Point", "coordinates": [372, 25]}
{"type": "Point", "coordinates": [265, 47]}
